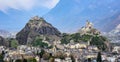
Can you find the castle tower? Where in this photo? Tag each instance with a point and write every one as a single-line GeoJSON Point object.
{"type": "Point", "coordinates": [89, 24]}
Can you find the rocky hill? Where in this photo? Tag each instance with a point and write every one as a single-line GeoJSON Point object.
{"type": "Point", "coordinates": [37, 26]}
{"type": "Point", "coordinates": [3, 42]}
{"type": "Point", "coordinates": [89, 29]}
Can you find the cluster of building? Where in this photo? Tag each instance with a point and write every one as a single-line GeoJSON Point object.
{"type": "Point", "coordinates": [22, 52]}
{"type": "Point", "coordinates": [79, 52]}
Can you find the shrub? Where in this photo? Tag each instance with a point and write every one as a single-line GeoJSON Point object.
{"type": "Point", "coordinates": [32, 60]}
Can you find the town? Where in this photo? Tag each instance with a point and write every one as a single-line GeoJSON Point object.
{"type": "Point", "coordinates": [60, 51]}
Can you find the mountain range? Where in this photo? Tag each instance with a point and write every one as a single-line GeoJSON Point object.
{"type": "Point", "coordinates": [114, 35]}
{"type": "Point", "coordinates": [4, 33]}
{"type": "Point", "coordinates": [7, 34]}
{"type": "Point", "coordinates": [109, 23]}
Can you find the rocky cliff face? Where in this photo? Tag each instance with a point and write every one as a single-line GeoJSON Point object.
{"type": "Point", "coordinates": [3, 42]}
{"type": "Point", "coordinates": [37, 26]}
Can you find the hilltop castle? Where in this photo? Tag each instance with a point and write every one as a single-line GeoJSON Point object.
{"type": "Point", "coordinates": [89, 29]}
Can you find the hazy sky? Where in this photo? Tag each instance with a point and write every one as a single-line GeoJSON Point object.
{"type": "Point", "coordinates": [14, 14]}
{"type": "Point", "coordinates": [66, 15]}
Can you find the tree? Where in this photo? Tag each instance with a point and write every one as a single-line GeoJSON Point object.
{"type": "Point", "coordinates": [24, 60]}
{"type": "Point", "coordinates": [1, 58]}
{"type": "Point", "coordinates": [65, 38]}
{"type": "Point", "coordinates": [38, 42]}
{"type": "Point", "coordinates": [76, 37]}
{"type": "Point", "coordinates": [89, 59]}
{"type": "Point", "coordinates": [41, 53]}
{"type": "Point", "coordinates": [14, 43]}
{"type": "Point", "coordinates": [32, 60]}
{"type": "Point", "coordinates": [86, 37]}
{"type": "Point", "coordinates": [18, 60]}
{"type": "Point", "coordinates": [99, 41]}
{"type": "Point", "coordinates": [99, 59]}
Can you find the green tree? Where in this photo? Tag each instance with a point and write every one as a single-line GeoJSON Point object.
{"type": "Point", "coordinates": [65, 38]}
{"type": "Point", "coordinates": [38, 42]}
{"type": "Point", "coordinates": [86, 38]}
{"type": "Point", "coordinates": [41, 53]}
{"type": "Point", "coordinates": [14, 43]}
{"type": "Point", "coordinates": [1, 58]}
{"type": "Point", "coordinates": [76, 37]}
{"type": "Point", "coordinates": [32, 60]}
{"type": "Point", "coordinates": [99, 42]}
{"type": "Point", "coordinates": [99, 59]}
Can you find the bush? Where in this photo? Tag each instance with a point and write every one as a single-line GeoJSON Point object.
{"type": "Point", "coordinates": [76, 37]}
{"type": "Point", "coordinates": [32, 60]}
{"type": "Point", "coordinates": [18, 60]}
{"type": "Point", "coordinates": [99, 42]}
{"type": "Point", "coordinates": [41, 53]}
{"type": "Point", "coordinates": [86, 38]}
{"type": "Point", "coordinates": [24, 60]}
{"type": "Point", "coordinates": [65, 38]}
{"type": "Point", "coordinates": [13, 43]}
{"type": "Point", "coordinates": [1, 57]}
{"type": "Point", "coordinates": [38, 42]}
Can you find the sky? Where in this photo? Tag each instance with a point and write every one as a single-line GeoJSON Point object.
{"type": "Point", "coordinates": [14, 14]}
{"type": "Point", "coordinates": [66, 15]}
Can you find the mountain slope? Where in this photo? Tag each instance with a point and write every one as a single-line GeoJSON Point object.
{"type": "Point", "coordinates": [116, 31]}
{"type": "Point", "coordinates": [109, 23]}
{"type": "Point", "coordinates": [114, 35]}
{"type": "Point", "coordinates": [3, 42]}
{"type": "Point", "coordinates": [37, 26]}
